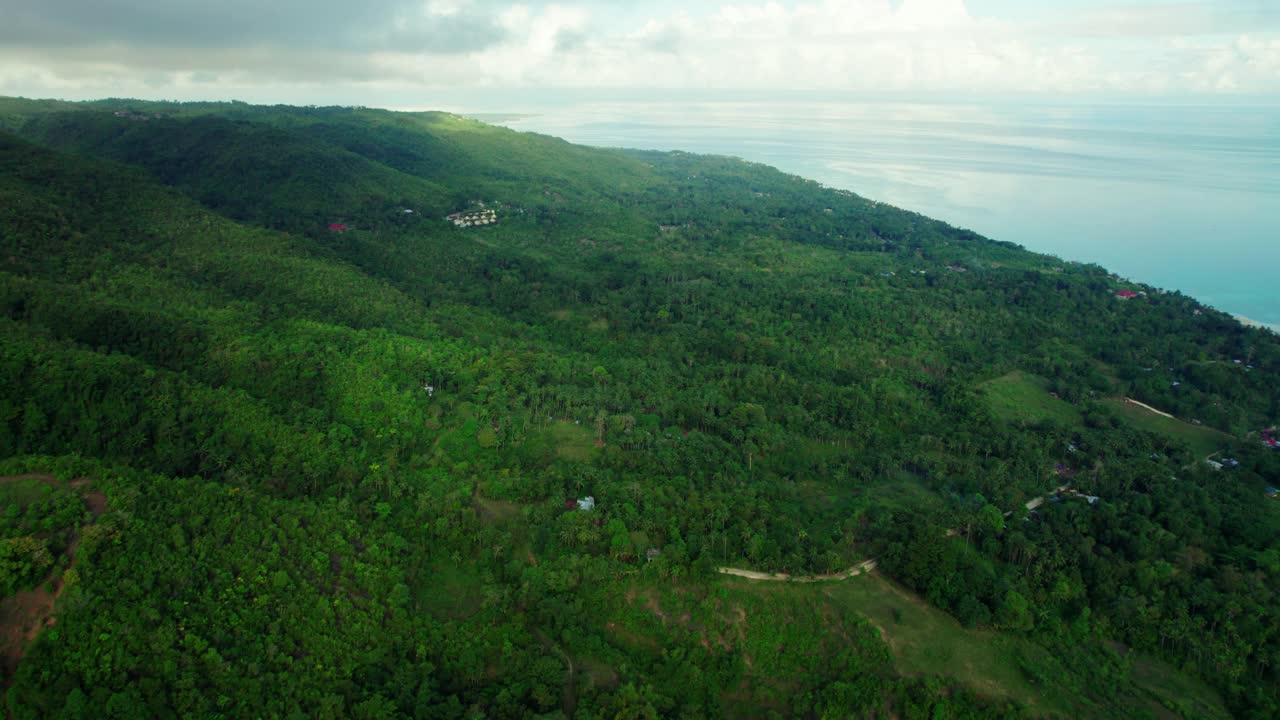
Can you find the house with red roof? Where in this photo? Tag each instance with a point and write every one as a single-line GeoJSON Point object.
{"type": "Point", "coordinates": [1269, 439]}
{"type": "Point", "coordinates": [337, 227]}
{"type": "Point", "coordinates": [1126, 294]}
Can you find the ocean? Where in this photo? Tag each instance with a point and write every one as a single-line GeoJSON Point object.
{"type": "Point", "coordinates": [1183, 197]}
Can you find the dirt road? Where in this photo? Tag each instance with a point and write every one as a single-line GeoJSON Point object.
{"type": "Point", "coordinates": [864, 566]}
{"type": "Point", "coordinates": [1131, 401]}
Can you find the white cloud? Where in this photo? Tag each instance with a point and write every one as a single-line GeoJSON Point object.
{"type": "Point", "coordinates": [876, 45]}
{"type": "Point", "coordinates": [856, 44]}
{"type": "Point", "coordinates": [853, 45]}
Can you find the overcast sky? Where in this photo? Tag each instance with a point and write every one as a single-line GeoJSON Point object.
{"type": "Point", "coordinates": [380, 51]}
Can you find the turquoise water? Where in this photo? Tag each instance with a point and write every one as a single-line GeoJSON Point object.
{"type": "Point", "coordinates": [1181, 197]}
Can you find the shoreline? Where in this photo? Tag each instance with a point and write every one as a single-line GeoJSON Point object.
{"type": "Point", "coordinates": [955, 183]}
{"type": "Point", "coordinates": [1273, 327]}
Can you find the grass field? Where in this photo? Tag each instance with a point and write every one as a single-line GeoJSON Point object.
{"type": "Point", "coordinates": [927, 641]}
{"type": "Point", "coordinates": [496, 512]}
{"type": "Point", "coordinates": [1019, 397]}
{"type": "Point", "coordinates": [1168, 688]}
{"type": "Point", "coordinates": [1202, 440]}
{"type": "Point", "coordinates": [782, 631]}
{"type": "Point", "coordinates": [901, 491]}
{"type": "Point", "coordinates": [572, 441]}
{"type": "Point", "coordinates": [764, 618]}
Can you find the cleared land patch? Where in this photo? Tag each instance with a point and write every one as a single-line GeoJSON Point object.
{"type": "Point", "coordinates": [927, 641]}
{"type": "Point", "coordinates": [1202, 440]}
{"type": "Point", "coordinates": [1168, 688]}
{"type": "Point", "coordinates": [571, 440]}
{"type": "Point", "coordinates": [25, 613]}
{"type": "Point", "coordinates": [1023, 398]}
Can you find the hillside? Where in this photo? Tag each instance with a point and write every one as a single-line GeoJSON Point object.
{"type": "Point", "coordinates": [341, 436]}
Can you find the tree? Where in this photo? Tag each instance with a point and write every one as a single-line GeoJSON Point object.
{"type": "Point", "coordinates": [990, 519]}
{"type": "Point", "coordinates": [1014, 612]}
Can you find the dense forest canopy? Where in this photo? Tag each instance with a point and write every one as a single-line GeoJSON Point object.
{"type": "Point", "coordinates": [301, 409]}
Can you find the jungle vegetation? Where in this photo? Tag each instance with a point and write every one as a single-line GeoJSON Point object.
{"type": "Point", "coordinates": [338, 440]}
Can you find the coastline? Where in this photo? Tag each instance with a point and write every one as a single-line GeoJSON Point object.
{"type": "Point", "coordinates": [1273, 327]}
{"type": "Point", "coordinates": [936, 159]}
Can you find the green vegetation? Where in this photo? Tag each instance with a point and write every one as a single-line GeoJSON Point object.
{"type": "Point", "coordinates": [925, 641]}
{"type": "Point", "coordinates": [35, 525]}
{"type": "Point", "coordinates": [1174, 691]}
{"type": "Point", "coordinates": [1026, 399]}
{"type": "Point", "coordinates": [339, 437]}
{"type": "Point", "coordinates": [1203, 441]}
{"type": "Point", "coordinates": [570, 441]}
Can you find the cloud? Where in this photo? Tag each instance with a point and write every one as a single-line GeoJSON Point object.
{"type": "Point", "coordinates": [199, 24]}
{"type": "Point", "coordinates": [1246, 63]}
{"type": "Point", "coordinates": [1224, 46]}
{"type": "Point", "coordinates": [71, 44]}
{"type": "Point", "coordinates": [934, 45]}
{"type": "Point", "coordinates": [855, 44]}
{"type": "Point", "coordinates": [1168, 19]}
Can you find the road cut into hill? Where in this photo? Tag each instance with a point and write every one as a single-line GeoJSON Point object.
{"type": "Point", "coordinates": [863, 567]}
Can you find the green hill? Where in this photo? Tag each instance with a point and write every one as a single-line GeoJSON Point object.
{"type": "Point", "coordinates": [341, 437]}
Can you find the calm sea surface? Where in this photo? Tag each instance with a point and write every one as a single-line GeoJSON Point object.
{"type": "Point", "coordinates": [1181, 197]}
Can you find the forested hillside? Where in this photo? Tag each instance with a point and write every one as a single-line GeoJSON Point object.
{"type": "Point", "coordinates": [285, 431]}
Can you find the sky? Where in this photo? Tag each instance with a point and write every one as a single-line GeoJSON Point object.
{"type": "Point", "coordinates": [387, 51]}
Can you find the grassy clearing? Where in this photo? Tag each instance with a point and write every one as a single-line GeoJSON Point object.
{"type": "Point", "coordinates": [903, 492]}
{"type": "Point", "coordinates": [927, 641]}
{"type": "Point", "coordinates": [1202, 440]}
{"type": "Point", "coordinates": [780, 636]}
{"type": "Point", "coordinates": [1022, 398]}
{"type": "Point", "coordinates": [783, 632]}
{"type": "Point", "coordinates": [777, 628]}
{"type": "Point", "coordinates": [572, 441]}
{"type": "Point", "coordinates": [496, 512]}
{"type": "Point", "coordinates": [1169, 689]}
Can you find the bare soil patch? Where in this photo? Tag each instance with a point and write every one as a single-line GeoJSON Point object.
{"type": "Point", "coordinates": [656, 609]}
{"type": "Point", "coordinates": [94, 499]}
{"type": "Point", "coordinates": [22, 617]}
{"type": "Point", "coordinates": [24, 614]}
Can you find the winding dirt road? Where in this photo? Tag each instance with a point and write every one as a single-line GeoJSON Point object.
{"type": "Point", "coordinates": [864, 566]}
{"type": "Point", "coordinates": [1131, 401]}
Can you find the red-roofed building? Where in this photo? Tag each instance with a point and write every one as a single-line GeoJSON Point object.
{"type": "Point", "coordinates": [1126, 294]}
{"type": "Point", "coordinates": [337, 227]}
